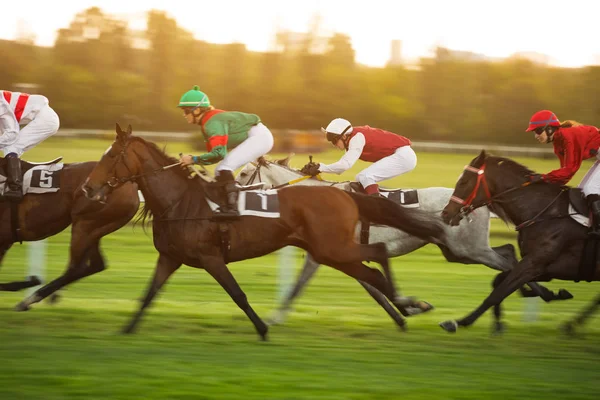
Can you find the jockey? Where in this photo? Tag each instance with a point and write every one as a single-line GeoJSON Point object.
{"type": "Point", "coordinates": [39, 122]}
{"type": "Point", "coordinates": [390, 154]}
{"type": "Point", "coordinates": [242, 133]}
{"type": "Point", "coordinates": [573, 143]}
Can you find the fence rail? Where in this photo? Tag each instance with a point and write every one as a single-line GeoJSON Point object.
{"type": "Point", "coordinates": [430, 147]}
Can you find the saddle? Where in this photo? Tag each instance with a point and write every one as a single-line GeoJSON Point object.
{"type": "Point", "coordinates": [27, 165]}
{"type": "Point", "coordinates": [578, 201]}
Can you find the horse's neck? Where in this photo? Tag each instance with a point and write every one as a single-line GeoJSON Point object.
{"type": "Point", "coordinates": [526, 203]}
{"type": "Point", "coordinates": [163, 192]}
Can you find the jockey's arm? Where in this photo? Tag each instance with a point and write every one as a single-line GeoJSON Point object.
{"type": "Point", "coordinates": [217, 143]}
{"type": "Point", "coordinates": [9, 127]}
{"type": "Point", "coordinates": [569, 165]}
{"type": "Point", "coordinates": [355, 149]}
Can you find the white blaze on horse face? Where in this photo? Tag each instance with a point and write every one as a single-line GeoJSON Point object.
{"type": "Point", "coordinates": [107, 150]}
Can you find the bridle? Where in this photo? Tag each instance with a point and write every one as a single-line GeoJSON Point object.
{"type": "Point", "coordinates": [115, 182]}
{"type": "Point", "coordinates": [468, 206]}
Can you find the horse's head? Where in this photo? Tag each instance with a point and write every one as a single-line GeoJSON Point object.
{"type": "Point", "coordinates": [262, 170]}
{"type": "Point", "coordinates": [486, 181]}
{"type": "Point", "coordinates": [471, 190]}
{"type": "Point", "coordinates": [119, 164]}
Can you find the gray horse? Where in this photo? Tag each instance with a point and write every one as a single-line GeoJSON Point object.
{"type": "Point", "coordinates": [467, 243]}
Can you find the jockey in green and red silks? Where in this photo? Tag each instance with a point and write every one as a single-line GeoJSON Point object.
{"type": "Point", "coordinates": [232, 138]}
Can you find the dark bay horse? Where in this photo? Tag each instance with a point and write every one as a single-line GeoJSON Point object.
{"type": "Point", "coordinates": [318, 219]}
{"type": "Point", "coordinates": [46, 214]}
{"type": "Point", "coordinates": [551, 242]}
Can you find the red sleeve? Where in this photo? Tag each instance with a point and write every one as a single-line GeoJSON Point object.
{"type": "Point", "coordinates": [569, 163]}
{"type": "Point", "coordinates": [215, 141]}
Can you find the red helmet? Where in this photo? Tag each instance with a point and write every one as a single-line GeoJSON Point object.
{"type": "Point", "coordinates": [543, 119]}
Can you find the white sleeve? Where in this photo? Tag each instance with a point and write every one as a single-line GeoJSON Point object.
{"type": "Point", "coordinates": [355, 149]}
{"type": "Point", "coordinates": [9, 127]}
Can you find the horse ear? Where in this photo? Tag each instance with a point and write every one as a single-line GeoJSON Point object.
{"type": "Point", "coordinates": [286, 161]}
{"type": "Point", "coordinates": [118, 129]}
{"type": "Point", "coordinates": [480, 159]}
{"type": "Point", "coordinates": [128, 129]}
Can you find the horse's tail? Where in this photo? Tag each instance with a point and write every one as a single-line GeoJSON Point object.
{"type": "Point", "coordinates": [419, 223]}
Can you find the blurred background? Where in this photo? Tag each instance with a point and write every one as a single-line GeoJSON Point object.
{"type": "Point", "coordinates": [454, 77]}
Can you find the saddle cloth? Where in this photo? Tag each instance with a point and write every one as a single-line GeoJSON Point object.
{"type": "Point", "coordinates": [256, 203]}
{"type": "Point", "coordinates": [405, 197]}
{"type": "Point", "coordinates": [39, 179]}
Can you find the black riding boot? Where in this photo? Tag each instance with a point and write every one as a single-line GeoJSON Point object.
{"type": "Point", "coordinates": [231, 189]}
{"type": "Point", "coordinates": [594, 204]}
{"type": "Point", "coordinates": [13, 190]}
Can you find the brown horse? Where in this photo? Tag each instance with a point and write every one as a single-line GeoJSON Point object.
{"type": "Point", "coordinates": [46, 214]}
{"type": "Point", "coordinates": [321, 220]}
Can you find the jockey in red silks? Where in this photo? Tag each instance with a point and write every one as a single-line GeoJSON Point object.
{"type": "Point", "coordinates": [25, 121]}
{"type": "Point", "coordinates": [390, 153]}
{"type": "Point", "coordinates": [573, 142]}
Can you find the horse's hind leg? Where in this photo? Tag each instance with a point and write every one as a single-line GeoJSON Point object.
{"type": "Point", "coordinates": [218, 270]}
{"type": "Point", "coordinates": [406, 305]}
{"type": "Point", "coordinates": [569, 327]}
{"type": "Point", "coordinates": [165, 267]}
{"type": "Point", "coordinates": [382, 301]}
{"type": "Point", "coordinates": [308, 271]}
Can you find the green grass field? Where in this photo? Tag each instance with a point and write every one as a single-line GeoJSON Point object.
{"type": "Point", "coordinates": [196, 344]}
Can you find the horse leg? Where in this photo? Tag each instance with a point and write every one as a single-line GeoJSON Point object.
{"type": "Point", "coordinates": [308, 271]}
{"type": "Point", "coordinates": [165, 267]}
{"type": "Point", "coordinates": [30, 281]}
{"type": "Point", "coordinates": [406, 305]}
{"type": "Point", "coordinates": [217, 268]}
{"type": "Point", "coordinates": [382, 301]}
{"type": "Point", "coordinates": [498, 326]}
{"type": "Point", "coordinates": [74, 272]}
{"type": "Point", "coordinates": [524, 272]}
{"type": "Point", "coordinates": [569, 327]}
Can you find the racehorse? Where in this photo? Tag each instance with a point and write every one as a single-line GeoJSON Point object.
{"type": "Point", "coordinates": [185, 232]}
{"type": "Point", "coordinates": [551, 242]}
{"type": "Point", "coordinates": [468, 243]}
{"type": "Point", "coordinates": [40, 215]}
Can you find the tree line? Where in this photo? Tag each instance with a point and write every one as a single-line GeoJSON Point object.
{"type": "Point", "coordinates": [95, 75]}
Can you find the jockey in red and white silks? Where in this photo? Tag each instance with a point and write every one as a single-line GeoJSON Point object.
{"type": "Point", "coordinates": [25, 121]}
{"type": "Point", "coordinates": [390, 153]}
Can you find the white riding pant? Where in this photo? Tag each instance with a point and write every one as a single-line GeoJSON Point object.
{"type": "Point", "coordinates": [44, 125]}
{"type": "Point", "coordinates": [402, 161]}
{"type": "Point", "coordinates": [590, 184]}
{"type": "Point", "coordinates": [259, 143]}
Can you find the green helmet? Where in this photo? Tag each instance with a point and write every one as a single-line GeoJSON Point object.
{"type": "Point", "coordinates": [194, 98]}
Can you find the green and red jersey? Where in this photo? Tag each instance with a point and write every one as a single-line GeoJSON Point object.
{"type": "Point", "coordinates": [224, 130]}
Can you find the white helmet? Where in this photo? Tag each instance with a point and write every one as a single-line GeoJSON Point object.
{"type": "Point", "coordinates": [337, 127]}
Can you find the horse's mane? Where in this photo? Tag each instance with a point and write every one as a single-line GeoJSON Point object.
{"type": "Point", "coordinates": [518, 169]}
{"type": "Point", "coordinates": [513, 168]}
{"type": "Point", "coordinates": [284, 163]}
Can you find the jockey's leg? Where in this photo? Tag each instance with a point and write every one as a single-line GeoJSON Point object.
{"type": "Point", "coordinates": [259, 143]}
{"type": "Point", "coordinates": [44, 125]}
{"type": "Point", "coordinates": [402, 161]}
{"type": "Point", "coordinates": [590, 185]}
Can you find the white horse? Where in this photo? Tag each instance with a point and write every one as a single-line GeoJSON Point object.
{"type": "Point", "coordinates": [467, 243]}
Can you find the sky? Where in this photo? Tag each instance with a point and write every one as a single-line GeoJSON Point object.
{"type": "Point", "coordinates": [567, 31]}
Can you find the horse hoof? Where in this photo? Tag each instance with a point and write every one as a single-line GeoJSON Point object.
{"type": "Point", "coordinates": [402, 301]}
{"type": "Point", "coordinates": [128, 330]}
{"type": "Point", "coordinates": [449, 326]}
{"type": "Point", "coordinates": [564, 294]}
{"type": "Point", "coordinates": [264, 337]}
{"type": "Point", "coordinates": [22, 307]}
{"type": "Point", "coordinates": [419, 307]}
{"type": "Point", "coordinates": [498, 329]}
